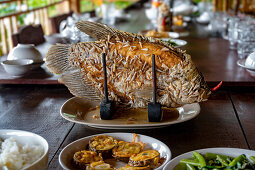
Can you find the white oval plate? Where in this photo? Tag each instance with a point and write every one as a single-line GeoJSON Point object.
{"type": "Point", "coordinates": [233, 152]}
{"type": "Point", "coordinates": [173, 34]}
{"type": "Point", "coordinates": [66, 155]}
{"type": "Point", "coordinates": [241, 63]}
{"type": "Point", "coordinates": [179, 42]}
{"type": "Point", "coordinates": [76, 110]}
{"type": "Point", "coordinates": [24, 137]}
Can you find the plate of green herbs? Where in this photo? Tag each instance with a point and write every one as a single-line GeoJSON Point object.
{"type": "Point", "coordinates": [174, 42]}
{"type": "Point", "coordinates": [214, 159]}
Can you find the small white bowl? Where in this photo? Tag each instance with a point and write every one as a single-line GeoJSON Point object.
{"type": "Point", "coordinates": [25, 51]}
{"type": "Point", "coordinates": [18, 67]}
{"type": "Point", "coordinates": [250, 60]}
{"type": "Point", "coordinates": [248, 63]}
{"type": "Point", "coordinates": [204, 18]}
{"type": "Point", "coordinates": [24, 137]}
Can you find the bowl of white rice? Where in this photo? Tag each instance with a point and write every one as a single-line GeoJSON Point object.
{"type": "Point", "coordinates": [22, 150]}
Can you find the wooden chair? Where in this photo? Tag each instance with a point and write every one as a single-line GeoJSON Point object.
{"type": "Point", "coordinates": [30, 34]}
{"type": "Point", "coordinates": [56, 20]}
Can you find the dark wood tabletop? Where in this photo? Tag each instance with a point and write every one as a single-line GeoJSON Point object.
{"type": "Point", "coordinates": [227, 119]}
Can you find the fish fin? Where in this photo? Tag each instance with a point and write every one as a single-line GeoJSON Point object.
{"type": "Point", "coordinates": [78, 85]}
{"type": "Point", "coordinates": [57, 58]}
{"type": "Point", "coordinates": [101, 31]}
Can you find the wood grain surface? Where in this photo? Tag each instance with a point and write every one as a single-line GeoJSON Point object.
{"type": "Point", "coordinates": [217, 62]}
{"type": "Point", "coordinates": [36, 109]}
{"type": "Point", "coordinates": [227, 119]}
{"type": "Point", "coordinates": [244, 104]}
{"type": "Point", "coordinates": [216, 126]}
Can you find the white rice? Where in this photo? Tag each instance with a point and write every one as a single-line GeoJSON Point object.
{"type": "Point", "coordinates": [15, 156]}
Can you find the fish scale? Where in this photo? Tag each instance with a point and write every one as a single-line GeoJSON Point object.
{"type": "Point", "coordinates": [128, 60]}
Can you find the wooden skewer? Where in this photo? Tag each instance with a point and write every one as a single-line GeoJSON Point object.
{"type": "Point", "coordinates": [106, 106]}
{"type": "Point", "coordinates": [105, 79]}
{"type": "Point", "coordinates": [154, 80]}
{"type": "Point", "coordinates": [154, 108]}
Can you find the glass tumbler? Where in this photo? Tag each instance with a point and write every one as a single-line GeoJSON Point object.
{"type": "Point", "coordinates": [246, 39]}
{"type": "Point", "coordinates": [233, 32]}
{"type": "Point", "coordinates": [108, 13]}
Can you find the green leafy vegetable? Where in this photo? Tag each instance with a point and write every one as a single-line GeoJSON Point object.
{"type": "Point", "coordinates": [211, 161]}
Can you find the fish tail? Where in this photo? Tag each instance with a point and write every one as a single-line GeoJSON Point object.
{"type": "Point", "coordinates": [58, 62]}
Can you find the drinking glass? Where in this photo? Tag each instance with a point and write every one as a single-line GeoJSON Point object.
{"type": "Point", "coordinates": [218, 24]}
{"type": "Point", "coordinates": [108, 13]}
{"type": "Point", "coordinates": [246, 38]}
{"type": "Point", "coordinates": [233, 32]}
{"type": "Point", "coordinates": [244, 48]}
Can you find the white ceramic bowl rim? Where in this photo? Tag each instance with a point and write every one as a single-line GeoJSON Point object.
{"type": "Point", "coordinates": [26, 45]}
{"type": "Point", "coordinates": [46, 149]}
{"type": "Point", "coordinates": [18, 62]}
{"type": "Point", "coordinates": [109, 134]}
{"type": "Point", "coordinates": [241, 63]}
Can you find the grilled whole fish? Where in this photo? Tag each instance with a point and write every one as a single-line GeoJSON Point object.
{"type": "Point", "coordinates": [129, 68]}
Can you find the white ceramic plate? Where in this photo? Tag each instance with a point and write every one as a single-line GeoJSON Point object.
{"type": "Point", "coordinates": [170, 34]}
{"type": "Point", "coordinates": [67, 153]}
{"type": "Point", "coordinates": [201, 21]}
{"type": "Point", "coordinates": [23, 137]}
{"type": "Point", "coordinates": [241, 63]}
{"type": "Point", "coordinates": [179, 42]}
{"type": "Point", "coordinates": [78, 110]}
{"type": "Point", "coordinates": [173, 34]}
{"type": "Point", "coordinates": [233, 152]}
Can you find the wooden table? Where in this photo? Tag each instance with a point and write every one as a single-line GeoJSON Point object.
{"type": "Point", "coordinates": [226, 119]}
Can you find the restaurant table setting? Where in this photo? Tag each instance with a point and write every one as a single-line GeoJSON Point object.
{"type": "Point", "coordinates": [22, 59]}
{"type": "Point", "coordinates": [241, 37]}
{"type": "Point", "coordinates": [154, 109]}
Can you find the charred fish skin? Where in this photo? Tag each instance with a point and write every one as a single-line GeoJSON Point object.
{"type": "Point", "coordinates": [129, 72]}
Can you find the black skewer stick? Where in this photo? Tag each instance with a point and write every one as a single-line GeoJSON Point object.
{"type": "Point", "coordinates": [105, 78]}
{"type": "Point", "coordinates": [106, 106]}
{"type": "Point", "coordinates": [154, 108]}
{"type": "Point", "coordinates": [154, 76]}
